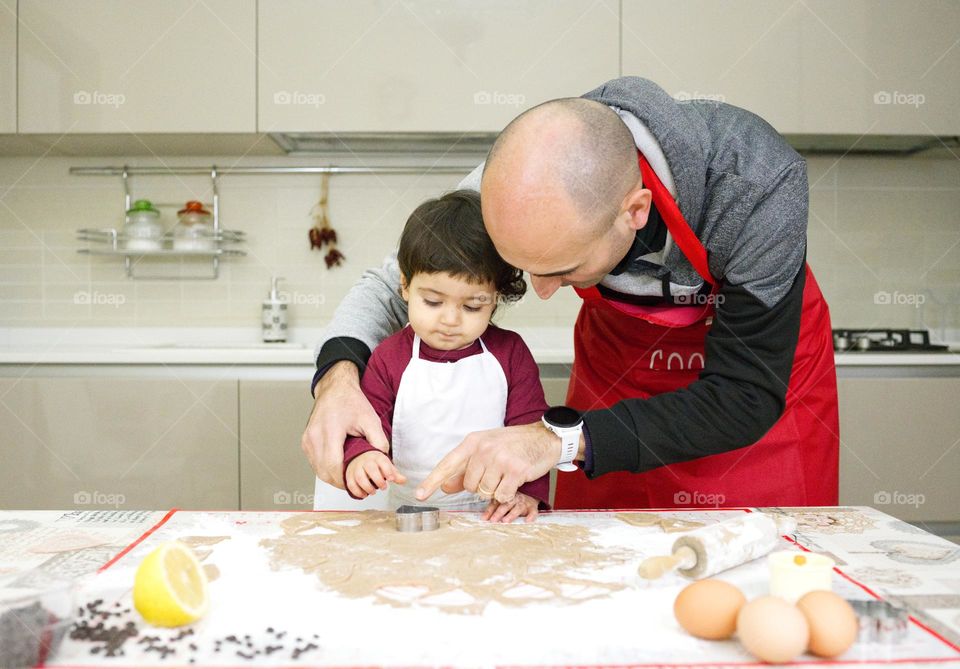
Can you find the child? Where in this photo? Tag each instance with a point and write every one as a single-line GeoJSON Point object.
{"type": "Point", "coordinates": [449, 372]}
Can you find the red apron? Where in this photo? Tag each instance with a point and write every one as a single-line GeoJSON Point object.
{"type": "Point", "coordinates": [630, 351]}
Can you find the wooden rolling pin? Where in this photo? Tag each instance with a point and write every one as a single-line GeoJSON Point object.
{"type": "Point", "coordinates": [709, 550]}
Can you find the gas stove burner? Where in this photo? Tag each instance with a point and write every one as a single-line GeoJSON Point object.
{"type": "Point", "coordinates": [876, 340]}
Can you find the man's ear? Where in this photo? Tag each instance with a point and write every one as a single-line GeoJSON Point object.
{"type": "Point", "coordinates": [637, 205]}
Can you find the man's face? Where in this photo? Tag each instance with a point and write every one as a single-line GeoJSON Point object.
{"type": "Point", "coordinates": [568, 253]}
{"type": "Point", "coordinates": [537, 226]}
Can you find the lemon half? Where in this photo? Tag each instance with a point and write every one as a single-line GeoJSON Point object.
{"type": "Point", "coordinates": [170, 588]}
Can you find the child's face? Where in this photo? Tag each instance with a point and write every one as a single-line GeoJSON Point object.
{"type": "Point", "coordinates": [448, 312]}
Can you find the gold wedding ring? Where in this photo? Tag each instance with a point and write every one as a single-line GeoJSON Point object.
{"type": "Point", "coordinates": [484, 493]}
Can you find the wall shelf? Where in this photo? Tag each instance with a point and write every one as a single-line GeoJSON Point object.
{"type": "Point", "coordinates": [112, 242]}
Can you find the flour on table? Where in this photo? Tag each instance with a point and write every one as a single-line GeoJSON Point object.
{"type": "Point", "coordinates": [459, 568]}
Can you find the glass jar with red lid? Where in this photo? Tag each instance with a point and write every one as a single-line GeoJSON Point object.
{"type": "Point", "coordinates": [194, 230]}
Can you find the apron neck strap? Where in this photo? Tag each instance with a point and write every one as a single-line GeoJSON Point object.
{"type": "Point", "coordinates": [682, 234]}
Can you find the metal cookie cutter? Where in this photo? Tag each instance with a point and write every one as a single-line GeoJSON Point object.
{"type": "Point", "coordinates": [880, 621]}
{"type": "Point", "coordinates": [417, 518]}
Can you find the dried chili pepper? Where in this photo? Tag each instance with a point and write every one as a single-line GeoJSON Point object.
{"type": "Point", "coordinates": [322, 233]}
{"type": "Point", "coordinates": [333, 258]}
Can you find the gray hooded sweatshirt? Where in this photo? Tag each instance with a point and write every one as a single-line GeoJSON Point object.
{"type": "Point", "coordinates": [743, 190]}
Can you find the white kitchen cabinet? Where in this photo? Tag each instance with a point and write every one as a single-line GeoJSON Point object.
{"type": "Point", "coordinates": [900, 446]}
{"type": "Point", "coordinates": [432, 65]}
{"type": "Point", "coordinates": [555, 388]}
{"type": "Point", "coordinates": [880, 67]}
{"type": "Point", "coordinates": [274, 472]}
{"type": "Point", "coordinates": [744, 52]}
{"type": "Point", "coordinates": [118, 442]}
{"type": "Point", "coordinates": [815, 67]}
{"type": "Point", "coordinates": [137, 66]}
{"type": "Point", "coordinates": [8, 66]}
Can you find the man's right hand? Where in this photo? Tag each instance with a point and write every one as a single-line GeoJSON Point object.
{"type": "Point", "coordinates": [340, 409]}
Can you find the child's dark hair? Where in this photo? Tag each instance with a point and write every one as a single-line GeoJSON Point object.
{"type": "Point", "coordinates": [447, 235]}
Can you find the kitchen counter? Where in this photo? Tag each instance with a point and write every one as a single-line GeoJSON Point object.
{"type": "Point", "coordinates": [267, 593]}
{"type": "Point", "coordinates": [240, 346]}
{"type": "Point", "coordinates": [203, 346]}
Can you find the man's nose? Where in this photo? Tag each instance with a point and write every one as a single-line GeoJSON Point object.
{"type": "Point", "coordinates": [545, 286]}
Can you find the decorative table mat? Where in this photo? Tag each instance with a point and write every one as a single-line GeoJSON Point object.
{"type": "Point", "coordinates": [346, 589]}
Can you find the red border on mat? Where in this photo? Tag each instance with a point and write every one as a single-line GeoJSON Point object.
{"type": "Point", "coordinates": [650, 665]}
{"type": "Point", "coordinates": [143, 536]}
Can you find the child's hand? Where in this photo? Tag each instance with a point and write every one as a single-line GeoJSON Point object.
{"type": "Point", "coordinates": [520, 506]}
{"type": "Point", "coordinates": [369, 472]}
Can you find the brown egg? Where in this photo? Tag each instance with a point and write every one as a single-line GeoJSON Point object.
{"type": "Point", "coordinates": [772, 630]}
{"type": "Point", "coordinates": [833, 623]}
{"type": "Point", "coordinates": [708, 609]}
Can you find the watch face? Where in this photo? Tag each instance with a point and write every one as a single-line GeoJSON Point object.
{"type": "Point", "coordinates": [561, 416]}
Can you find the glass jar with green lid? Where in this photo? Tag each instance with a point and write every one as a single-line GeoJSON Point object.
{"type": "Point", "coordinates": [143, 230]}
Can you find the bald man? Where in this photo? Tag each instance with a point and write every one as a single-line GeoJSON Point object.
{"type": "Point", "coordinates": [703, 371]}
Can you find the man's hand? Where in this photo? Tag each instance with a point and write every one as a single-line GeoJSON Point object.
{"type": "Point", "coordinates": [371, 471]}
{"type": "Point", "coordinates": [340, 409]}
{"type": "Point", "coordinates": [522, 506]}
{"type": "Point", "coordinates": [494, 463]}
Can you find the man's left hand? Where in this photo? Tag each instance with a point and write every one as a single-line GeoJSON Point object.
{"type": "Point", "coordinates": [494, 463]}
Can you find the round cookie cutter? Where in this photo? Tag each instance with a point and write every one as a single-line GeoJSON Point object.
{"type": "Point", "coordinates": [411, 518]}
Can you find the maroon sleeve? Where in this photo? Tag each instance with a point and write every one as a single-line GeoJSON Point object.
{"type": "Point", "coordinates": [525, 401]}
{"type": "Point", "coordinates": [379, 384]}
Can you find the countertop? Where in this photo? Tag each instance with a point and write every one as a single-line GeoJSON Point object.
{"type": "Point", "coordinates": [273, 588]}
{"type": "Point", "coordinates": [240, 346]}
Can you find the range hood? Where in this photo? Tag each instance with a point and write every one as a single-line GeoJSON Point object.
{"type": "Point", "coordinates": [432, 143]}
{"type": "Point", "coordinates": [439, 143]}
{"type": "Point", "coordinates": [876, 145]}
{"type": "Point", "coordinates": [430, 146]}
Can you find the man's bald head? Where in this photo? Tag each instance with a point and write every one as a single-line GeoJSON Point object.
{"type": "Point", "coordinates": [577, 147]}
{"type": "Point", "coordinates": [561, 193]}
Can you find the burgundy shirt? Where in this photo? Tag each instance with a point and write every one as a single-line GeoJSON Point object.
{"type": "Point", "coordinates": [525, 400]}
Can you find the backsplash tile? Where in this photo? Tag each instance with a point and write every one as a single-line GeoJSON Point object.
{"type": "Point", "coordinates": [884, 242]}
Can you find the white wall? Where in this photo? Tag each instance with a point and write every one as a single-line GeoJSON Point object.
{"type": "Point", "coordinates": [887, 229]}
{"type": "Point", "coordinates": [876, 224]}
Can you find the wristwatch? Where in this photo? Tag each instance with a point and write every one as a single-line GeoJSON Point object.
{"type": "Point", "coordinates": [567, 424]}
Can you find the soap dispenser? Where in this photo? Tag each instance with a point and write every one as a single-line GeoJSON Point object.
{"type": "Point", "coordinates": [274, 315]}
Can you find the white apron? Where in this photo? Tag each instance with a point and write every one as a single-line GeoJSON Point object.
{"type": "Point", "coordinates": [438, 404]}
